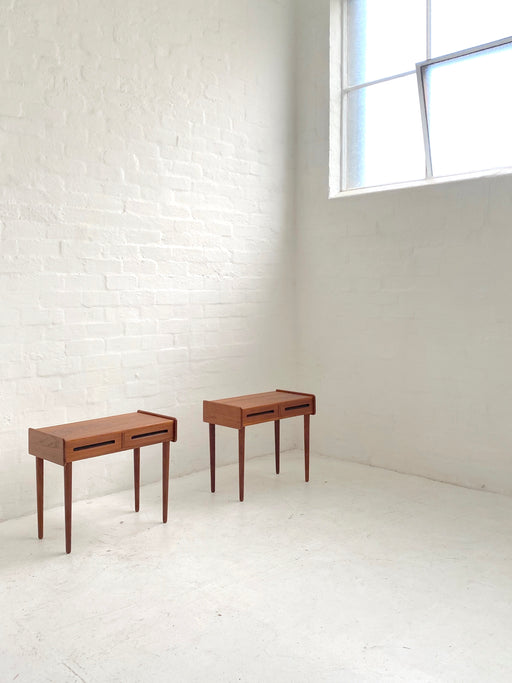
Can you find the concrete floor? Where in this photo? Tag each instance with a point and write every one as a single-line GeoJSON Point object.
{"type": "Point", "coordinates": [361, 575]}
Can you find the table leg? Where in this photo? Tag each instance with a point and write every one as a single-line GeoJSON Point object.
{"type": "Point", "coordinates": [165, 480]}
{"type": "Point", "coordinates": [212, 458]}
{"type": "Point", "coordinates": [241, 461]}
{"type": "Point", "coordinates": [40, 495]}
{"type": "Point", "coordinates": [68, 476]}
{"type": "Point", "coordinates": [306, 446]}
{"type": "Point", "coordinates": [136, 476]}
{"type": "Point", "coordinates": [277, 445]}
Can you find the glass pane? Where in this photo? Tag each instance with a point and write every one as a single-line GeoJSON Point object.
{"type": "Point", "coordinates": [385, 38]}
{"type": "Point", "coordinates": [384, 134]}
{"type": "Point", "coordinates": [459, 24]}
{"type": "Point", "coordinates": [469, 110]}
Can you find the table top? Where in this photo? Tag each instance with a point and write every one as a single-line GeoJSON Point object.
{"type": "Point", "coordinates": [88, 438]}
{"type": "Point", "coordinates": [239, 411]}
{"type": "Point", "coordinates": [263, 399]}
{"type": "Point", "coordinates": [102, 425]}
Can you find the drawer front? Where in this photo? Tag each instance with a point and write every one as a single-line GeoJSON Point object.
{"type": "Point", "coordinates": [89, 448]}
{"type": "Point", "coordinates": [302, 406]}
{"type": "Point", "coordinates": [145, 436]}
{"type": "Point", "coordinates": [254, 416]}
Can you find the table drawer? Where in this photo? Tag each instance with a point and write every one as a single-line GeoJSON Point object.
{"type": "Point", "coordinates": [253, 416]}
{"type": "Point", "coordinates": [80, 449]}
{"type": "Point", "coordinates": [303, 406]}
{"type": "Point", "coordinates": [145, 436]}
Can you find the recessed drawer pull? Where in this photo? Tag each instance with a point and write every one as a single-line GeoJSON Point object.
{"type": "Point", "coordinates": [141, 436]}
{"type": "Point", "coordinates": [93, 445]}
{"type": "Point", "coordinates": [263, 412]}
{"type": "Point", "coordinates": [302, 405]}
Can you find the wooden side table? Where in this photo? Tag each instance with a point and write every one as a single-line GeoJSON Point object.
{"type": "Point", "coordinates": [241, 411]}
{"type": "Point", "coordinates": [67, 443]}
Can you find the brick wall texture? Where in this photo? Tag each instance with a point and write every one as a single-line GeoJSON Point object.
{"type": "Point", "coordinates": [146, 213]}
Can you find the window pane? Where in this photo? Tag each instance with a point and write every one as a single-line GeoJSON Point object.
{"type": "Point", "coordinates": [385, 38]}
{"type": "Point", "coordinates": [384, 134]}
{"type": "Point", "coordinates": [469, 110]}
{"type": "Point", "coordinates": [459, 24]}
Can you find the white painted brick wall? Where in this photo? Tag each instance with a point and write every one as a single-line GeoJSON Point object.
{"type": "Point", "coordinates": [405, 307]}
{"type": "Point", "coordinates": [146, 206]}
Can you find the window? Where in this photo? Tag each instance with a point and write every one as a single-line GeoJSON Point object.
{"type": "Point", "coordinates": [423, 90]}
{"type": "Point", "coordinates": [467, 110]}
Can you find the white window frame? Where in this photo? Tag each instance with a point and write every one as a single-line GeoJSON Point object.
{"type": "Point", "coordinates": [339, 89]}
{"type": "Point", "coordinates": [422, 68]}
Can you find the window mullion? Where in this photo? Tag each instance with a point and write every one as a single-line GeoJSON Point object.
{"type": "Point", "coordinates": [344, 82]}
{"type": "Point", "coordinates": [429, 29]}
{"type": "Point", "coordinates": [424, 120]}
{"type": "Point", "coordinates": [358, 86]}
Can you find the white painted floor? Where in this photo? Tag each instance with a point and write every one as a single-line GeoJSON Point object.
{"type": "Point", "coordinates": [360, 575]}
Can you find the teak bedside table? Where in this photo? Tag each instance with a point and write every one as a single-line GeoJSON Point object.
{"type": "Point", "coordinates": [241, 411]}
{"type": "Point", "coordinates": [67, 443]}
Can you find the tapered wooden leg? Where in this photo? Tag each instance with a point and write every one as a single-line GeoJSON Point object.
{"type": "Point", "coordinates": [40, 495]}
{"type": "Point", "coordinates": [136, 476]}
{"type": "Point", "coordinates": [277, 445]}
{"type": "Point", "coordinates": [212, 458]}
{"type": "Point", "coordinates": [241, 461]}
{"type": "Point", "coordinates": [306, 446]}
{"type": "Point", "coordinates": [68, 478]}
{"type": "Point", "coordinates": [165, 480]}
